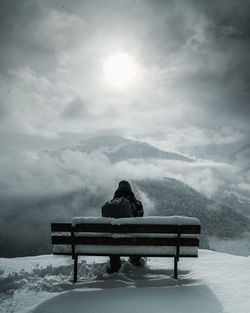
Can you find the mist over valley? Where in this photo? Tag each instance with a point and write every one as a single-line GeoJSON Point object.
{"type": "Point", "coordinates": [54, 185]}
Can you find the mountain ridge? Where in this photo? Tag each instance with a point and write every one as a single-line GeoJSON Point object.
{"type": "Point", "coordinates": [118, 148]}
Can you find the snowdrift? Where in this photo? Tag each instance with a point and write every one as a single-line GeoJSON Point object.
{"type": "Point", "coordinates": [213, 283]}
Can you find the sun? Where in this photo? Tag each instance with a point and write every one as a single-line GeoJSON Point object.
{"type": "Point", "coordinates": [119, 69]}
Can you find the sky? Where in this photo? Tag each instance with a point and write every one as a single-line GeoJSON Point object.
{"type": "Point", "coordinates": [191, 57]}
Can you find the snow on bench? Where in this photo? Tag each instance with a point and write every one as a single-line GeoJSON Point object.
{"type": "Point", "coordinates": [165, 220]}
{"type": "Point", "coordinates": [174, 236]}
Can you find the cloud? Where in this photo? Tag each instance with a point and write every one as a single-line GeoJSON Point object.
{"type": "Point", "coordinates": [76, 109]}
{"type": "Point", "coordinates": [192, 66]}
{"type": "Point", "coordinates": [57, 30]}
{"type": "Point", "coordinates": [205, 176]}
{"type": "Point", "coordinates": [207, 143]}
{"type": "Point", "coordinates": [55, 172]}
{"type": "Point", "coordinates": [41, 174]}
{"type": "Point", "coordinates": [148, 204]}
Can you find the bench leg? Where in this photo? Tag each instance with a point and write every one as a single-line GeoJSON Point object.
{"type": "Point", "coordinates": [75, 268]}
{"type": "Point", "coordinates": [175, 268]}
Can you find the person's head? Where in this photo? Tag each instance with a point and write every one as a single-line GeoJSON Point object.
{"type": "Point", "coordinates": [124, 185]}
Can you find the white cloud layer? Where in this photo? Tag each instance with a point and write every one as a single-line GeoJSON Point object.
{"type": "Point", "coordinates": [44, 173]}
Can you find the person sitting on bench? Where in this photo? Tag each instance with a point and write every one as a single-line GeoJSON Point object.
{"type": "Point", "coordinates": [123, 204]}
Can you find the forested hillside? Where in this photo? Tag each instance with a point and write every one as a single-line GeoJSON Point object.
{"type": "Point", "coordinates": [172, 197]}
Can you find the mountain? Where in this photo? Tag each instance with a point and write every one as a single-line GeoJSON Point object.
{"type": "Point", "coordinates": [208, 151]}
{"type": "Point", "coordinates": [220, 152]}
{"type": "Point", "coordinates": [172, 197]}
{"type": "Point", "coordinates": [118, 148]}
{"type": "Point", "coordinates": [240, 202]}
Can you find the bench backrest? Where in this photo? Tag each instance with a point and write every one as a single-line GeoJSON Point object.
{"type": "Point", "coordinates": [103, 236]}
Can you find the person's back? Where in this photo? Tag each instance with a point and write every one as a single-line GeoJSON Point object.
{"type": "Point", "coordinates": [118, 207]}
{"type": "Point", "coordinates": [112, 208]}
{"type": "Point", "coordinates": [124, 190]}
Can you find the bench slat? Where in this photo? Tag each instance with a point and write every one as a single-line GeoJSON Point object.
{"type": "Point", "coordinates": [127, 228]}
{"type": "Point", "coordinates": [66, 240]}
{"type": "Point", "coordinates": [132, 228]}
{"type": "Point", "coordinates": [126, 254]}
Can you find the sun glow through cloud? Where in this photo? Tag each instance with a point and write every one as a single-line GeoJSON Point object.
{"type": "Point", "coordinates": [119, 69]}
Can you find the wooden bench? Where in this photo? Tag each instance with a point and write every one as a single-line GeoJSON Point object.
{"type": "Point", "coordinates": [145, 236]}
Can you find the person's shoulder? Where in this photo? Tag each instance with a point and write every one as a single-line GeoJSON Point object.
{"type": "Point", "coordinates": [138, 202]}
{"type": "Point", "coordinates": [116, 194]}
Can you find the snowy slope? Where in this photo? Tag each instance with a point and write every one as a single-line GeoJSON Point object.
{"type": "Point", "coordinates": [118, 148]}
{"type": "Point", "coordinates": [213, 283]}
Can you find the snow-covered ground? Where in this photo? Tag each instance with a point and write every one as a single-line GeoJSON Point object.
{"type": "Point", "coordinates": [213, 283]}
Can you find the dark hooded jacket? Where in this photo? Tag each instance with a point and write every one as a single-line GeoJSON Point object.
{"type": "Point", "coordinates": [124, 190]}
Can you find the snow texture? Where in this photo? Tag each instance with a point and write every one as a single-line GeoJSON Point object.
{"type": "Point", "coordinates": [213, 283]}
{"type": "Point", "coordinates": [126, 235]}
{"type": "Point", "coordinates": [171, 220]}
